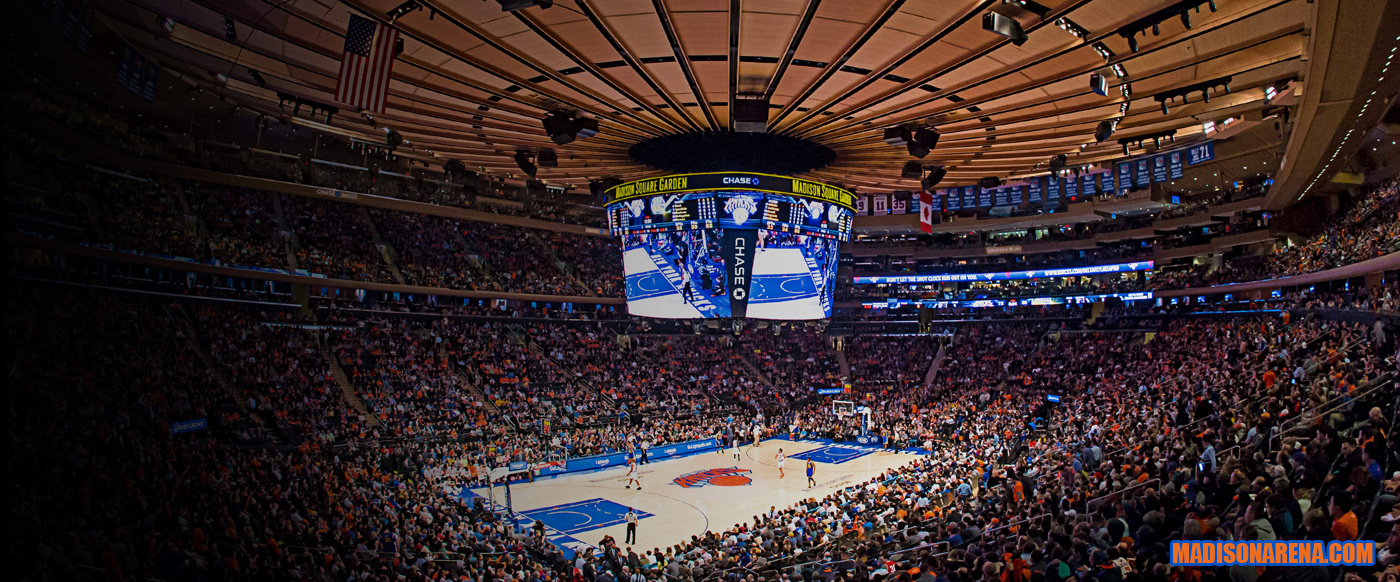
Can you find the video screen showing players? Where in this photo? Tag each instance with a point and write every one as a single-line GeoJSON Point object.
{"type": "Point", "coordinates": [804, 215]}
{"type": "Point", "coordinates": [675, 275]}
{"type": "Point", "coordinates": [664, 212]}
{"type": "Point", "coordinates": [792, 276]}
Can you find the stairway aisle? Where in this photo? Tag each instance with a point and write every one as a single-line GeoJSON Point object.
{"type": "Point", "coordinates": [343, 381]}
{"type": "Point", "coordinates": [935, 366]}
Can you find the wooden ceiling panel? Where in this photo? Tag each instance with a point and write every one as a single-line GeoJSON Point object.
{"type": "Point", "coordinates": [766, 34]}
{"type": "Point", "coordinates": [475, 81]}
{"type": "Point", "coordinates": [702, 33]}
{"type": "Point", "coordinates": [828, 38]}
{"type": "Point", "coordinates": [639, 32]}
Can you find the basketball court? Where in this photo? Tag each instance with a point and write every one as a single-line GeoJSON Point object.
{"type": "Point", "coordinates": [687, 496]}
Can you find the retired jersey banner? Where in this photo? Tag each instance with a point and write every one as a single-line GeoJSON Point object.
{"type": "Point", "coordinates": [880, 204]}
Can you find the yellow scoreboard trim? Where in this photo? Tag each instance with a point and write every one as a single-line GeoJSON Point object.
{"type": "Point", "coordinates": [707, 181]}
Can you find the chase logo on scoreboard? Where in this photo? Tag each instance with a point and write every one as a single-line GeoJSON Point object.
{"type": "Point", "coordinates": [731, 477]}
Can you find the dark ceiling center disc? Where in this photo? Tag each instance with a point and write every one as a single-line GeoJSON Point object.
{"type": "Point", "coordinates": [724, 151]}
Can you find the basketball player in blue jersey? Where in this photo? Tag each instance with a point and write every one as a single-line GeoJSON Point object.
{"type": "Point", "coordinates": [811, 473]}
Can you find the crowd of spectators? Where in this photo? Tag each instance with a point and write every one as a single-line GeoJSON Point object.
{"type": "Point", "coordinates": [596, 261]}
{"type": "Point", "coordinates": [518, 263]}
{"type": "Point", "coordinates": [241, 225]}
{"type": "Point", "coordinates": [447, 397]}
{"type": "Point", "coordinates": [896, 363]}
{"type": "Point", "coordinates": [1367, 229]}
{"type": "Point", "coordinates": [335, 240]}
{"type": "Point", "coordinates": [430, 251]}
{"type": "Point", "coordinates": [279, 371]}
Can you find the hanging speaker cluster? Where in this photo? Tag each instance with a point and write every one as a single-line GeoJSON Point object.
{"type": "Point", "coordinates": [563, 127]}
{"type": "Point", "coordinates": [935, 175]}
{"type": "Point", "coordinates": [918, 140]}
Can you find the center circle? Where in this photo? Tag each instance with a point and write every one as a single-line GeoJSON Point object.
{"type": "Point", "coordinates": [728, 151]}
{"type": "Point", "coordinates": [730, 480]}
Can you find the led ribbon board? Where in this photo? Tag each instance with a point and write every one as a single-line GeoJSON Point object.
{"type": "Point", "coordinates": [1005, 275]}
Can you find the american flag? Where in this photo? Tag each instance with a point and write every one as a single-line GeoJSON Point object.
{"type": "Point", "coordinates": [365, 64]}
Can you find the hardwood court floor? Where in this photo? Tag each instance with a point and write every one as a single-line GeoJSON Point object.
{"type": "Point", "coordinates": [688, 496]}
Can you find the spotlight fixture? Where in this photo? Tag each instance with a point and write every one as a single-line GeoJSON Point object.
{"type": "Point", "coordinates": [912, 170]}
{"type": "Point", "coordinates": [515, 5]}
{"type": "Point", "coordinates": [392, 139]}
{"type": "Point", "coordinates": [1005, 26]}
{"type": "Point", "coordinates": [167, 24]}
{"type": "Point", "coordinates": [563, 127]}
{"type": "Point", "coordinates": [547, 158]}
{"type": "Point", "coordinates": [230, 31]}
{"type": "Point", "coordinates": [1069, 26]}
{"type": "Point", "coordinates": [1030, 6]}
{"type": "Point", "coordinates": [1103, 51]}
{"type": "Point", "coordinates": [257, 78]}
{"type": "Point", "coordinates": [1057, 164]}
{"type": "Point", "coordinates": [403, 9]}
{"type": "Point", "coordinates": [1105, 130]}
{"type": "Point", "coordinates": [297, 102]}
{"type": "Point", "coordinates": [1156, 139]}
{"type": "Point", "coordinates": [1118, 70]}
{"type": "Point", "coordinates": [935, 176]}
{"type": "Point", "coordinates": [1154, 21]}
{"type": "Point", "coordinates": [1098, 84]}
{"type": "Point", "coordinates": [989, 182]}
{"type": "Point", "coordinates": [1167, 97]}
{"type": "Point", "coordinates": [522, 159]}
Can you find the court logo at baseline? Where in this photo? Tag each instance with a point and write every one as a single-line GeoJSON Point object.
{"type": "Point", "coordinates": [731, 477]}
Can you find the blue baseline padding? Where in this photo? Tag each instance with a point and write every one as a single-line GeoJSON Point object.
{"type": "Point", "coordinates": [582, 516]}
{"type": "Point", "coordinates": [833, 454]}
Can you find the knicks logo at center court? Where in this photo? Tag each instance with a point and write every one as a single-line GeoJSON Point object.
{"type": "Point", "coordinates": [731, 477]}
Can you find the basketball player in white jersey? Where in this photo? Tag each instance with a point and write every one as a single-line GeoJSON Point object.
{"type": "Point", "coordinates": [782, 461]}
{"type": "Point", "coordinates": [734, 447]}
{"type": "Point", "coordinates": [632, 476]}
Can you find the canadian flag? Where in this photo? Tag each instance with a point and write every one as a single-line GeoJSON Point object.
{"type": "Point", "coordinates": [926, 212]}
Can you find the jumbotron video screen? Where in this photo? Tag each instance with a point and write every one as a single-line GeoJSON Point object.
{"type": "Point", "coordinates": [730, 245]}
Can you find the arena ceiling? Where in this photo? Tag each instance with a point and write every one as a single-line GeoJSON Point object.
{"type": "Point", "coordinates": [474, 82]}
